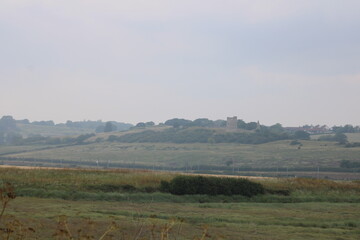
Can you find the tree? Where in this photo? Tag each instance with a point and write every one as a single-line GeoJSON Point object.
{"type": "Point", "coordinates": [302, 135]}
{"type": "Point", "coordinates": [44, 123]}
{"type": "Point", "coordinates": [344, 129]}
{"type": "Point", "coordinates": [241, 124]}
{"type": "Point", "coordinates": [109, 127]}
{"type": "Point", "coordinates": [176, 122]}
{"type": "Point", "coordinates": [202, 122]}
{"type": "Point", "coordinates": [277, 128]}
{"type": "Point", "coordinates": [348, 128]}
{"type": "Point", "coordinates": [8, 130]}
{"type": "Point", "coordinates": [149, 124]}
{"type": "Point", "coordinates": [100, 129]}
{"type": "Point", "coordinates": [341, 138]}
{"type": "Point", "coordinates": [24, 121]}
{"type": "Point", "coordinates": [140, 125]}
{"type": "Point", "coordinates": [251, 126]}
{"type": "Point", "coordinates": [7, 124]}
{"type": "Point", "coordinates": [220, 123]}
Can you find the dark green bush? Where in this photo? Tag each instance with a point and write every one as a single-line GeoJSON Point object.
{"type": "Point", "coordinates": [164, 186]}
{"type": "Point", "coordinates": [284, 192]}
{"type": "Point", "coordinates": [150, 189]}
{"type": "Point", "coordinates": [295, 142]}
{"type": "Point", "coordinates": [182, 185]}
{"type": "Point", "coordinates": [112, 188]}
{"type": "Point", "coordinates": [128, 188]}
{"type": "Point", "coordinates": [105, 187]}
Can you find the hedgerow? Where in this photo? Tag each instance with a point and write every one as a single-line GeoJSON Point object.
{"type": "Point", "coordinates": [182, 185]}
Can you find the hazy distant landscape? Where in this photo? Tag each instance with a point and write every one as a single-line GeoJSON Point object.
{"type": "Point", "coordinates": [179, 120]}
{"type": "Point", "coordinates": [199, 146]}
{"type": "Point", "coordinates": [129, 173]}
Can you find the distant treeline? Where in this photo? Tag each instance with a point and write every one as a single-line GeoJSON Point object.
{"type": "Point", "coordinates": [10, 132]}
{"type": "Point", "coordinates": [201, 130]}
{"type": "Point", "coordinates": [17, 139]}
{"type": "Point", "coordinates": [348, 128]}
{"type": "Point", "coordinates": [201, 135]}
{"type": "Point", "coordinates": [80, 124]}
{"type": "Point", "coordinates": [204, 122]}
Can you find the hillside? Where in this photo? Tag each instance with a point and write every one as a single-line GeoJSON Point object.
{"type": "Point", "coordinates": [201, 145]}
{"type": "Point", "coordinates": [277, 156]}
{"type": "Point", "coordinates": [27, 130]}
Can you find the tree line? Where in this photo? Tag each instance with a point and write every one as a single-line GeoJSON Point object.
{"type": "Point", "coordinates": [201, 135]}
{"type": "Point", "coordinates": [200, 130]}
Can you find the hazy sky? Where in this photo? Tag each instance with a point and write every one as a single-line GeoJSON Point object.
{"type": "Point", "coordinates": [287, 61]}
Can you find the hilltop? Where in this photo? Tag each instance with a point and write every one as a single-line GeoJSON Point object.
{"type": "Point", "coordinates": [200, 146]}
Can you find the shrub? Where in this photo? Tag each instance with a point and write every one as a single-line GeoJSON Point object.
{"type": "Point", "coordinates": [164, 186]}
{"type": "Point", "coordinates": [105, 187]}
{"type": "Point", "coordinates": [150, 189]}
{"type": "Point", "coordinates": [295, 142]}
{"type": "Point", "coordinates": [284, 192]}
{"type": "Point", "coordinates": [112, 188]}
{"type": "Point", "coordinates": [182, 185]}
{"type": "Point", "coordinates": [128, 188]}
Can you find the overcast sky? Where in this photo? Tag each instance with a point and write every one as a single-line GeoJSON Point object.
{"type": "Point", "coordinates": [290, 62]}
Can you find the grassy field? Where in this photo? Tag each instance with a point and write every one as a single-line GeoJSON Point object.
{"type": "Point", "coordinates": [353, 137]}
{"type": "Point", "coordinates": [4, 150]}
{"type": "Point", "coordinates": [143, 186]}
{"type": "Point", "coordinates": [47, 203]}
{"type": "Point", "coordinates": [273, 155]}
{"type": "Point", "coordinates": [223, 220]}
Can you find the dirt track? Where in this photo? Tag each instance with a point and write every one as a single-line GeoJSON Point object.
{"type": "Point", "coordinates": [27, 167]}
{"type": "Point", "coordinates": [135, 170]}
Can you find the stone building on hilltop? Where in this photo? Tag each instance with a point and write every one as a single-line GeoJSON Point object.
{"type": "Point", "coordinates": [231, 123]}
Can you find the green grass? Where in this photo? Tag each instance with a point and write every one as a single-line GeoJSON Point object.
{"type": "Point", "coordinates": [193, 156]}
{"type": "Point", "coordinates": [13, 149]}
{"type": "Point", "coordinates": [79, 180]}
{"type": "Point", "coordinates": [353, 137]}
{"type": "Point", "coordinates": [224, 220]}
{"type": "Point", "coordinates": [315, 209]}
{"type": "Point", "coordinates": [113, 185]}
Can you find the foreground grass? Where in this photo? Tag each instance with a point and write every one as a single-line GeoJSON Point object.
{"type": "Point", "coordinates": [90, 202]}
{"type": "Point", "coordinates": [223, 220]}
{"type": "Point", "coordinates": [143, 186]}
{"type": "Point", "coordinates": [80, 179]}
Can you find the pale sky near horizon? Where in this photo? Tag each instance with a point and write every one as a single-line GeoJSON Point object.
{"type": "Point", "coordinates": [292, 62]}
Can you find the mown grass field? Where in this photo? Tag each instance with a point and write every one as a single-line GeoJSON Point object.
{"type": "Point", "coordinates": [223, 220]}
{"type": "Point", "coordinates": [280, 154]}
{"type": "Point", "coordinates": [315, 209]}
